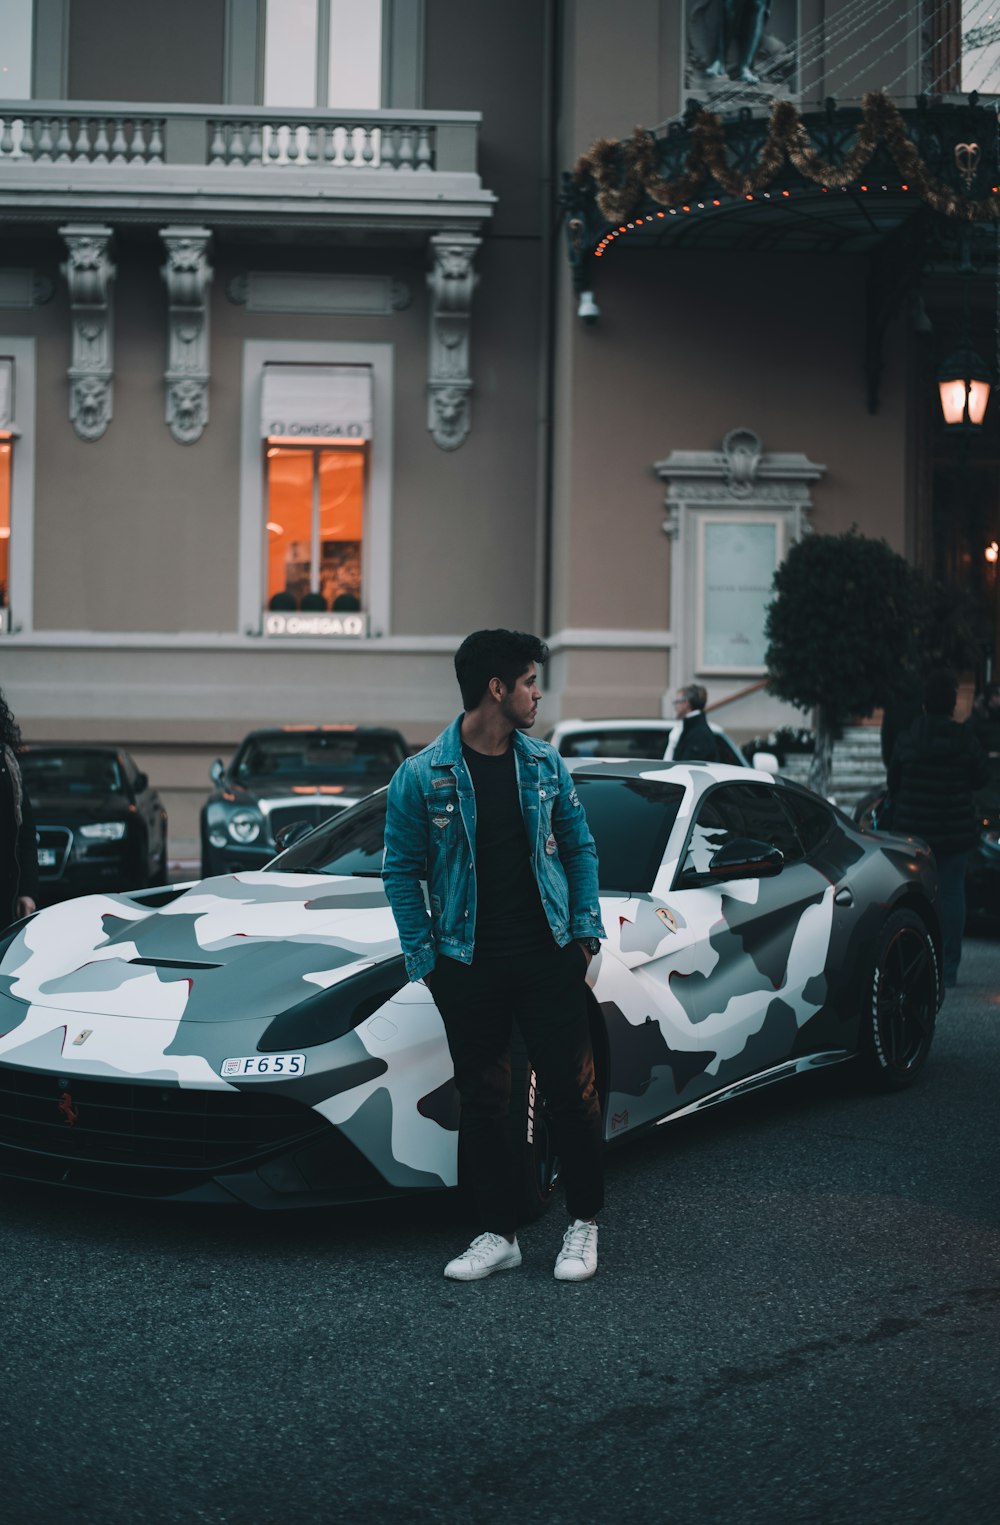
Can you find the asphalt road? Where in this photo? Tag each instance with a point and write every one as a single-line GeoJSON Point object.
{"type": "Point", "coordinates": [796, 1318]}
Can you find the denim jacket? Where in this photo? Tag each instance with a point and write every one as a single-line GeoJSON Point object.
{"type": "Point", "coordinates": [430, 834]}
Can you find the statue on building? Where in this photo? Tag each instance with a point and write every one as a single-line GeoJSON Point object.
{"type": "Point", "coordinates": [728, 42]}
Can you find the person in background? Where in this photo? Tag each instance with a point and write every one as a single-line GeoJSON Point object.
{"type": "Point", "coordinates": [935, 768]}
{"type": "Point", "coordinates": [695, 742]}
{"type": "Point", "coordinates": [18, 849]}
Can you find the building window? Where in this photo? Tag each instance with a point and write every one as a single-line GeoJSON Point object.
{"type": "Point", "coordinates": [316, 488]}
{"type": "Point", "coordinates": [15, 50]}
{"type": "Point", "coordinates": [315, 527]}
{"type": "Point", "coordinates": [979, 41]}
{"type": "Point", "coordinates": [736, 560]}
{"type": "Point", "coordinates": [17, 481]}
{"type": "Point", "coordinates": [323, 53]}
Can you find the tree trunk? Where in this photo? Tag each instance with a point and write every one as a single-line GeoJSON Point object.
{"type": "Point", "coordinates": [821, 772]}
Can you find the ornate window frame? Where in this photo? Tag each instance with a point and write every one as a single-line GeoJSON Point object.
{"type": "Point", "coordinates": [378, 530]}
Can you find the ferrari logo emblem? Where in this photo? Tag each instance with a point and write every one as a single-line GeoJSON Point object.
{"type": "Point", "coordinates": [66, 1107]}
{"type": "Point", "coordinates": [82, 1037]}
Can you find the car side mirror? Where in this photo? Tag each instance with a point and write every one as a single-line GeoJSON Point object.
{"type": "Point", "coordinates": [141, 782]}
{"type": "Point", "coordinates": [217, 770]}
{"type": "Point", "coordinates": [292, 833]}
{"type": "Point", "coordinates": [742, 858]}
{"type": "Point", "coordinates": [765, 762]}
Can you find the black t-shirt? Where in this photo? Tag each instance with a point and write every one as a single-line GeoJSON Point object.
{"type": "Point", "coordinates": [509, 913]}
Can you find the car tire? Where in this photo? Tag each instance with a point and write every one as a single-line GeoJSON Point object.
{"type": "Point", "coordinates": [536, 1161]}
{"type": "Point", "coordinates": [899, 1003]}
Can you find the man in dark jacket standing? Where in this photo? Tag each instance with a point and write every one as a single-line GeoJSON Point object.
{"type": "Point", "coordinates": [18, 852]}
{"type": "Point", "coordinates": [696, 742]}
{"type": "Point", "coordinates": [936, 765]}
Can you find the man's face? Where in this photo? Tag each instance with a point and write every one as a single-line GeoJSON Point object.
{"type": "Point", "coordinates": [681, 707]}
{"type": "Point", "coordinates": [520, 703]}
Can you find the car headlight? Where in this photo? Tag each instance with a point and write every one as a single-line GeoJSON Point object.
{"type": "Point", "coordinates": [336, 1011]}
{"type": "Point", "coordinates": [103, 831]}
{"type": "Point", "coordinates": [244, 826]}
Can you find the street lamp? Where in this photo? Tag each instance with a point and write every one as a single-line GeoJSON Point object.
{"type": "Point", "coordinates": [964, 384]}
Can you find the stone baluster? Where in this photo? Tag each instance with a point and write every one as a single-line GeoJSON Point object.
{"type": "Point", "coordinates": [156, 142]}
{"type": "Point", "coordinates": [63, 142]}
{"type": "Point", "coordinates": [101, 142]}
{"type": "Point", "coordinates": [82, 150]}
{"type": "Point", "coordinates": [45, 141]}
{"type": "Point", "coordinates": [27, 138]}
{"type": "Point", "coordinates": [274, 143]}
{"type": "Point", "coordinates": [217, 151]}
{"type": "Point", "coordinates": [424, 155]}
{"type": "Point", "coordinates": [255, 146]}
{"type": "Point", "coordinates": [367, 145]}
{"type": "Point", "coordinates": [329, 144]}
{"type": "Point", "coordinates": [138, 141]}
{"type": "Point", "coordinates": [350, 153]}
{"type": "Point", "coordinates": [236, 149]}
{"type": "Point", "coordinates": [7, 139]}
{"type": "Point", "coordinates": [388, 148]}
{"type": "Point", "coordinates": [118, 143]}
{"type": "Point", "coordinates": [312, 148]}
{"type": "Point", "coordinates": [405, 148]}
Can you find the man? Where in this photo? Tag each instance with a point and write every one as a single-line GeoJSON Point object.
{"type": "Point", "coordinates": [491, 819]}
{"type": "Point", "coordinates": [935, 769]}
{"type": "Point", "coordinates": [695, 742]}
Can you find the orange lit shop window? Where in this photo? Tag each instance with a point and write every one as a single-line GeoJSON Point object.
{"type": "Point", "coordinates": [315, 519]}
{"type": "Point", "coordinates": [5, 461]}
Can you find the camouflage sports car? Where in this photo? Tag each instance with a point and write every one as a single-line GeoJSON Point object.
{"type": "Point", "coordinates": [252, 1038]}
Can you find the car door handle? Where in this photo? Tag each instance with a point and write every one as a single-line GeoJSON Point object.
{"type": "Point", "coordinates": [844, 897]}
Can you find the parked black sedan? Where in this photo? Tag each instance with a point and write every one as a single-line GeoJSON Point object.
{"type": "Point", "coordinates": [100, 824]}
{"type": "Point", "coordinates": [288, 775]}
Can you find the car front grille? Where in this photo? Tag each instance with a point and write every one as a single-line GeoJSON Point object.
{"type": "Point", "coordinates": [157, 1127]}
{"type": "Point", "coordinates": [57, 840]}
{"type": "Point", "coordinates": [284, 815]}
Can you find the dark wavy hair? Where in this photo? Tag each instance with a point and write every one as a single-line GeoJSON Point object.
{"type": "Point", "coordinates": [10, 731]}
{"type": "Point", "coordinates": [486, 654]}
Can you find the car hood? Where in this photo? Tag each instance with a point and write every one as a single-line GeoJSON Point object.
{"type": "Point", "coordinates": [79, 807]}
{"type": "Point", "coordinates": [228, 949]}
{"type": "Point", "coordinates": [310, 794]}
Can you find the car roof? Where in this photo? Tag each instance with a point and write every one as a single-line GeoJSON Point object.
{"type": "Point", "coordinates": [96, 749]}
{"type": "Point", "coordinates": [644, 723]}
{"type": "Point", "coordinates": [656, 767]}
{"type": "Point", "coordinates": [322, 730]}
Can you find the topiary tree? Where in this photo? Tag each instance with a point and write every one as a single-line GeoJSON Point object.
{"type": "Point", "coordinates": [840, 629]}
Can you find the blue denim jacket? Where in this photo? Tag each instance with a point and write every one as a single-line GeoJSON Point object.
{"type": "Point", "coordinates": [430, 834]}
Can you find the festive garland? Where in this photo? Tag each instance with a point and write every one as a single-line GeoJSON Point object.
{"type": "Point", "coordinates": [622, 173]}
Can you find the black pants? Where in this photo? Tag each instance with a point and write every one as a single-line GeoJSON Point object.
{"type": "Point", "coordinates": [545, 995]}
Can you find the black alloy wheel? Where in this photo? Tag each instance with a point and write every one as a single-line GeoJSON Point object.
{"type": "Point", "coordinates": [900, 1003]}
{"type": "Point", "coordinates": [533, 1143]}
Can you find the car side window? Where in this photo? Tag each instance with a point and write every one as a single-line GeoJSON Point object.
{"type": "Point", "coordinates": [811, 818]}
{"type": "Point", "coordinates": [740, 810]}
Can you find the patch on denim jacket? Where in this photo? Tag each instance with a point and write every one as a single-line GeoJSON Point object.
{"type": "Point", "coordinates": [441, 820]}
{"type": "Point", "coordinates": [442, 783]}
{"type": "Point", "coordinates": [550, 846]}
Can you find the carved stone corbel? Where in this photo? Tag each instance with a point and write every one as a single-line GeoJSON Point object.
{"type": "Point", "coordinates": [89, 275]}
{"type": "Point", "coordinates": [451, 282]}
{"type": "Point", "coordinates": [188, 276]}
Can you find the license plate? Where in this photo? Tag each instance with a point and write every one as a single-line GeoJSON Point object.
{"type": "Point", "coordinates": [263, 1064]}
{"type": "Point", "coordinates": [46, 857]}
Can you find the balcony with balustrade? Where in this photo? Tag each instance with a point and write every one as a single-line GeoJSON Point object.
{"type": "Point", "coordinates": [256, 166]}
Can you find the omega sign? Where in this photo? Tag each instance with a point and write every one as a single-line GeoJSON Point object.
{"type": "Point", "coordinates": [326, 428]}
{"type": "Point", "coordinates": [350, 625]}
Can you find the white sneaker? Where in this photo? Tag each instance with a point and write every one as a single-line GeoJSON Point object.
{"type": "Point", "coordinates": [486, 1254]}
{"type": "Point", "coordinates": [577, 1260]}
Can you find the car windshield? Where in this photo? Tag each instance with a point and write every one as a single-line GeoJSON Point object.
{"type": "Point", "coordinates": [319, 757]}
{"type": "Point", "coordinates": [648, 741]}
{"type": "Point", "coordinates": [630, 819]}
{"type": "Point", "coordinates": [71, 773]}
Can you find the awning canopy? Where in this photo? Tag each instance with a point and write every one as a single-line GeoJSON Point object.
{"type": "Point", "coordinates": [831, 180]}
